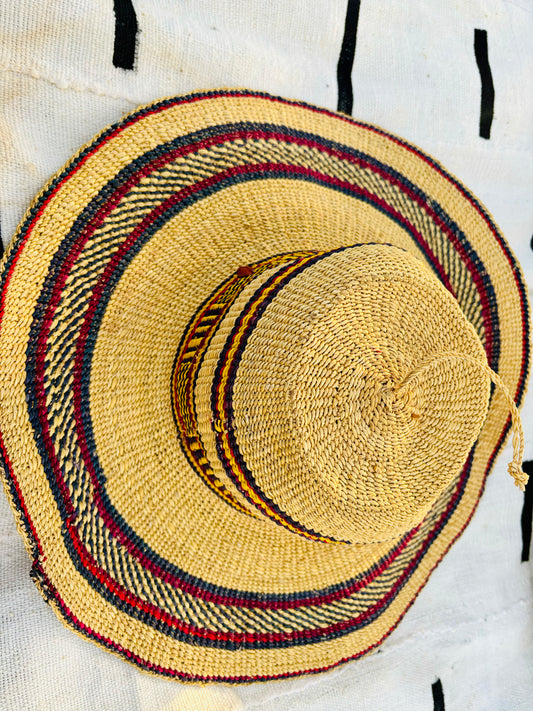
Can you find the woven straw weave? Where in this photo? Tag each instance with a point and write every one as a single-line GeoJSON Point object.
{"type": "Point", "coordinates": [247, 347]}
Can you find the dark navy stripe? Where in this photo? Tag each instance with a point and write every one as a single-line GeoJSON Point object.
{"type": "Point", "coordinates": [125, 34]}
{"type": "Point", "coordinates": [198, 96]}
{"type": "Point", "coordinates": [346, 57]}
{"type": "Point", "coordinates": [160, 106]}
{"type": "Point", "coordinates": [115, 278]}
{"type": "Point", "coordinates": [117, 274]}
{"type": "Point", "coordinates": [527, 511]}
{"type": "Point", "coordinates": [138, 661]}
{"type": "Point", "coordinates": [487, 87]}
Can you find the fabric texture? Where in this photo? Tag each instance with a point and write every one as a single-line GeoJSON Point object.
{"type": "Point", "coordinates": [471, 626]}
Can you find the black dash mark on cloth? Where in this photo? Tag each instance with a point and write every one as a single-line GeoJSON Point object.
{"type": "Point", "coordinates": [487, 87]}
{"type": "Point", "coordinates": [344, 67]}
{"type": "Point", "coordinates": [527, 511]}
{"type": "Point", "coordinates": [438, 696]}
{"type": "Point", "coordinates": [125, 34]}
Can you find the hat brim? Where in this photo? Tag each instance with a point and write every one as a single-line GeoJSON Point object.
{"type": "Point", "coordinates": [129, 545]}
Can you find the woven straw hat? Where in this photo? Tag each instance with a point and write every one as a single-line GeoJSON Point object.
{"type": "Point", "coordinates": [256, 362]}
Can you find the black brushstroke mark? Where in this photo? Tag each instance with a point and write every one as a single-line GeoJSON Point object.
{"type": "Point", "coordinates": [527, 511]}
{"type": "Point", "coordinates": [487, 87]}
{"type": "Point", "coordinates": [531, 242]}
{"type": "Point", "coordinates": [125, 34]}
{"type": "Point", "coordinates": [344, 67]}
{"type": "Point", "coordinates": [438, 696]}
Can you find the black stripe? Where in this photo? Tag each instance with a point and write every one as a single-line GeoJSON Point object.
{"type": "Point", "coordinates": [487, 87]}
{"type": "Point", "coordinates": [344, 67]}
{"type": "Point", "coordinates": [527, 511]}
{"type": "Point", "coordinates": [438, 696]}
{"type": "Point", "coordinates": [125, 34]}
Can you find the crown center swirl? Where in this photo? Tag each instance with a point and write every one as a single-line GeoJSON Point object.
{"type": "Point", "coordinates": [372, 404]}
{"type": "Point", "coordinates": [399, 400]}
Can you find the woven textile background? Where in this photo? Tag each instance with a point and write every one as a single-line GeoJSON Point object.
{"type": "Point", "coordinates": [455, 78]}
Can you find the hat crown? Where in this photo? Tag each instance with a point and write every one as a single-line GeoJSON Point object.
{"type": "Point", "coordinates": [317, 425]}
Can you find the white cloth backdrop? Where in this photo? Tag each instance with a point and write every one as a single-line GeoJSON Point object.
{"type": "Point", "coordinates": [414, 74]}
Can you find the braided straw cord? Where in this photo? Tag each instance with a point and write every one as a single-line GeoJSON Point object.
{"type": "Point", "coordinates": [515, 467]}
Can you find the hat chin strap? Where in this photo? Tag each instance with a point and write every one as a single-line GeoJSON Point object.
{"type": "Point", "coordinates": [515, 467]}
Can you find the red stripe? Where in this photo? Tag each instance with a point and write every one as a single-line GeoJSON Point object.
{"type": "Point", "coordinates": [132, 600]}
{"type": "Point", "coordinates": [373, 129]}
{"type": "Point", "coordinates": [166, 671]}
{"type": "Point", "coordinates": [314, 109]}
{"type": "Point", "coordinates": [221, 410]}
{"type": "Point", "coordinates": [260, 637]}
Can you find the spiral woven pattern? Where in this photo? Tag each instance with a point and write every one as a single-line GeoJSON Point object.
{"type": "Point", "coordinates": [210, 440]}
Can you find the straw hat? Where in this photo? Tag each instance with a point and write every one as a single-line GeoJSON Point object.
{"type": "Point", "coordinates": [246, 355]}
